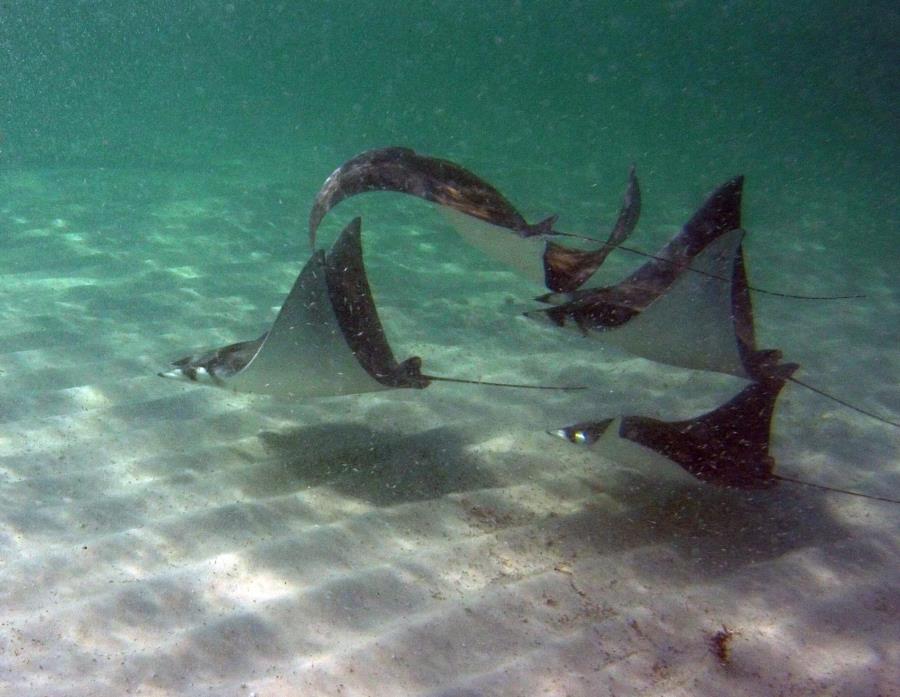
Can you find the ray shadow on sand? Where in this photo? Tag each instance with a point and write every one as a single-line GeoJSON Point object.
{"type": "Point", "coordinates": [382, 468]}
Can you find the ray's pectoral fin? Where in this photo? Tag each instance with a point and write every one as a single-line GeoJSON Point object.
{"type": "Point", "coordinates": [327, 339]}
{"type": "Point", "coordinates": [357, 317]}
{"type": "Point", "coordinates": [481, 214]}
{"type": "Point", "coordinates": [728, 446]}
{"type": "Point", "coordinates": [692, 324]}
{"type": "Point", "coordinates": [405, 171]}
{"type": "Point", "coordinates": [567, 269]}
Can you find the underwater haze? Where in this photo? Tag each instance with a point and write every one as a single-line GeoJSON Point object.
{"type": "Point", "coordinates": [158, 162]}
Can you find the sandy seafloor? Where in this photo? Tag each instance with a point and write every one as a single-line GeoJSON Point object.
{"type": "Point", "coordinates": [160, 538]}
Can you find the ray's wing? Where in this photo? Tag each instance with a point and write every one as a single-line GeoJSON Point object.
{"type": "Point", "coordinates": [720, 213]}
{"type": "Point", "coordinates": [567, 269]}
{"type": "Point", "coordinates": [357, 317]}
{"type": "Point", "coordinates": [402, 170]}
{"type": "Point", "coordinates": [692, 324]}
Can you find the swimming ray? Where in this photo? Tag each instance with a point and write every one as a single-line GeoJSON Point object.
{"type": "Point", "coordinates": [728, 446]}
{"type": "Point", "coordinates": [445, 183]}
{"type": "Point", "coordinates": [327, 340]}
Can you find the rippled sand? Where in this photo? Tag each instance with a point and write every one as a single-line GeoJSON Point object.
{"type": "Point", "coordinates": [159, 538]}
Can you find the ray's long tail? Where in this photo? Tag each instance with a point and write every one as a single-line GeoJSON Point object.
{"type": "Point", "coordinates": [842, 402]}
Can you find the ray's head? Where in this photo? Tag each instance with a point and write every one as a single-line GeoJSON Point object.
{"type": "Point", "coordinates": [586, 433]}
{"type": "Point", "coordinates": [185, 369]}
{"type": "Point", "coordinates": [213, 367]}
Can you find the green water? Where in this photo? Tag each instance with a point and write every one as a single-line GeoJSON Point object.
{"type": "Point", "coordinates": [549, 98]}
